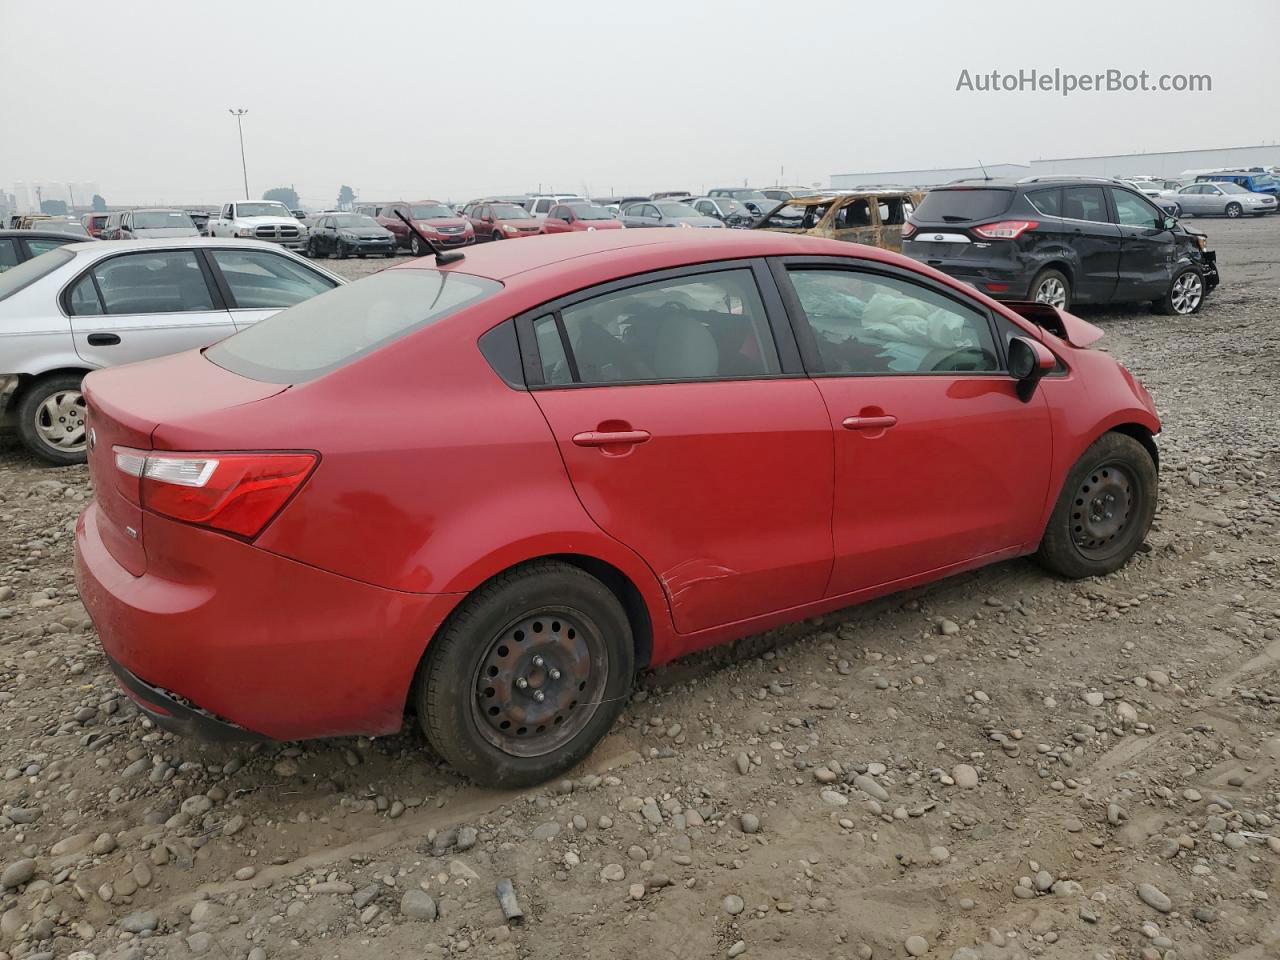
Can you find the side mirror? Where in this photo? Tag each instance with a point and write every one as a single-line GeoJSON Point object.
{"type": "Point", "coordinates": [1029, 361]}
{"type": "Point", "coordinates": [1168, 223]}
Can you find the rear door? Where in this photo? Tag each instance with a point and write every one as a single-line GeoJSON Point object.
{"type": "Point", "coordinates": [1147, 249]}
{"type": "Point", "coordinates": [937, 461]}
{"type": "Point", "coordinates": [691, 435]}
{"type": "Point", "coordinates": [144, 304]}
{"type": "Point", "coordinates": [257, 283]}
{"type": "Point", "coordinates": [1087, 227]}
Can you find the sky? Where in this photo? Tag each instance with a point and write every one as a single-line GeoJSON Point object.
{"type": "Point", "coordinates": [451, 101]}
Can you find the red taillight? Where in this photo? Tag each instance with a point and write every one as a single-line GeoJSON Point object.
{"type": "Point", "coordinates": [908, 229]}
{"type": "Point", "coordinates": [237, 493]}
{"type": "Point", "coordinates": [1006, 229]}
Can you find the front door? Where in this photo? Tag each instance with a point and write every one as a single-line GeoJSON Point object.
{"type": "Point", "coordinates": [144, 304]}
{"type": "Point", "coordinates": [937, 462]}
{"type": "Point", "coordinates": [686, 440]}
{"type": "Point", "coordinates": [1147, 249]}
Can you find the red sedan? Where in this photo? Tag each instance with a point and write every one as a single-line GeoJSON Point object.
{"type": "Point", "coordinates": [575, 217]}
{"type": "Point", "coordinates": [491, 491]}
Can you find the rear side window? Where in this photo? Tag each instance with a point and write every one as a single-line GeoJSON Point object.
{"type": "Point", "coordinates": [1047, 202]}
{"type": "Point", "coordinates": [710, 326]}
{"type": "Point", "coordinates": [25, 274]}
{"type": "Point", "coordinates": [268, 281]}
{"type": "Point", "coordinates": [8, 253]}
{"type": "Point", "coordinates": [963, 204]}
{"type": "Point", "coordinates": [321, 334]}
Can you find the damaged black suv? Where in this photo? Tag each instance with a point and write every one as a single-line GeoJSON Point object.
{"type": "Point", "coordinates": [1061, 241]}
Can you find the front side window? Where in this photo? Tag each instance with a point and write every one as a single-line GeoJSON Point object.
{"type": "Point", "coordinates": [1084, 203]}
{"type": "Point", "coordinates": [166, 281]}
{"type": "Point", "coordinates": [710, 326]}
{"type": "Point", "coordinates": [865, 324]}
{"type": "Point", "coordinates": [1132, 211]}
{"type": "Point", "coordinates": [323, 333]}
{"type": "Point", "coordinates": [267, 281]}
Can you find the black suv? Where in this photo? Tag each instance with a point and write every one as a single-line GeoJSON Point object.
{"type": "Point", "coordinates": [1061, 241]}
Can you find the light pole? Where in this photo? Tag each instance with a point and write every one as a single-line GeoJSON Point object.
{"type": "Point", "coordinates": [238, 113]}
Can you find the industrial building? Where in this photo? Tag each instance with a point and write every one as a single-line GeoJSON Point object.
{"type": "Point", "coordinates": [1171, 163]}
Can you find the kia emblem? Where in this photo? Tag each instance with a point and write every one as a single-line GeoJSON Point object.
{"type": "Point", "coordinates": [937, 236]}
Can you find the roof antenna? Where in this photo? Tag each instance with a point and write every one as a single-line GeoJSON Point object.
{"type": "Point", "coordinates": [985, 175]}
{"type": "Point", "coordinates": [442, 257]}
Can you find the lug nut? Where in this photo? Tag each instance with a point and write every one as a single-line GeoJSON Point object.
{"type": "Point", "coordinates": [537, 661]}
{"type": "Point", "coordinates": [539, 695]}
{"type": "Point", "coordinates": [521, 682]}
{"type": "Point", "coordinates": [553, 673]}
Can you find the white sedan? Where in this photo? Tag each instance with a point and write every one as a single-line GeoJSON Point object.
{"type": "Point", "coordinates": [103, 303]}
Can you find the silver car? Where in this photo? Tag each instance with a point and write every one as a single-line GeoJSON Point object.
{"type": "Point", "coordinates": [1219, 199]}
{"type": "Point", "coordinates": [88, 305]}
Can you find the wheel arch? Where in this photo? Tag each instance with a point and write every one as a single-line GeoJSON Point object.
{"type": "Point", "coordinates": [28, 380]}
{"type": "Point", "coordinates": [1143, 435]}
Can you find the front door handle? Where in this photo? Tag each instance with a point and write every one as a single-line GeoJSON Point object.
{"type": "Point", "coordinates": [606, 438]}
{"type": "Point", "coordinates": [869, 423]}
{"type": "Point", "coordinates": [103, 339]}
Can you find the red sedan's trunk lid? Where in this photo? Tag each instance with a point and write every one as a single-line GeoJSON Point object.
{"type": "Point", "coordinates": [125, 405]}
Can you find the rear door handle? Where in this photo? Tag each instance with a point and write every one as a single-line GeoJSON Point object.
{"type": "Point", "coordinates": [103, 339]}
{"type": "Point", "coordinates": [869, 423]}
{"type": "Point", "coordinates": [598, 438]}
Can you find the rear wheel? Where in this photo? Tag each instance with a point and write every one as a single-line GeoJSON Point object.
{"type": "Point", "coordinates": [1234, 210]}
{"type": "Point", "coordinates": [527, 676]}
{"type": "Point", "coordinates": [1104, 510]}
{"type": "Point", "coordinates": [1185, 296]}
{"type": "Point", "coordinates": [1052, 287]}
{"type": "Point", "coordinates": [51, 419]}
{"type": "Point", "coordinates": [313, 250]}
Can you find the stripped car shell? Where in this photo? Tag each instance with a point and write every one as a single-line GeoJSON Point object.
{"type": "Point", "coordinates": [873, 217]}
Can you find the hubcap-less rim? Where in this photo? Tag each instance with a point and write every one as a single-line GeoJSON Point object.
{"type": "Point", "coordinates": [60, 420]}
{"type": "Point", "coordinates": [1052, 291]}
{"type": "Point", "coordinates": [1101, 512]}
{"type": "Point", "coordinates": [540, 682]}
{"type": "Point", "coordinates": [1187, 290]}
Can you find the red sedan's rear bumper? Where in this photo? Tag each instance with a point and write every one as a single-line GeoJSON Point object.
{"type": "Point", "coordinates": [221, 637]}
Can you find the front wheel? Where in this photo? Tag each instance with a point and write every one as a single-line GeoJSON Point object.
{"type": "Point", "coordinates": [1052, 287]}
{"type": "Point", "coordinates": [1104, 511]}
{"type": "Point", "coordinates": [1234, 210]}
{"type": "Point", "coordinates": [340, 250]}
{"type": "Point", "coordinates": [415, 246]}
{"type": "Point", "coordinates": [51, 420]}
{"type": "Point", "coordinates": [1185, 296]}
{"type": "Point", "coordinates": [527, 676]}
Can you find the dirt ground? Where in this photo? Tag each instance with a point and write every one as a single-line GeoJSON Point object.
{"type": "Point", "coordinates": [1002, 765]}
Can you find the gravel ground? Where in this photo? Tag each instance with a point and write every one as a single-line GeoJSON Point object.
{"type": "Point", "coordinates": [1002, 765]}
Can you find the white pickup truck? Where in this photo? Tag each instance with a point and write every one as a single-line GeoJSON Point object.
{"type": "Point", "coordinates": [260, 220]}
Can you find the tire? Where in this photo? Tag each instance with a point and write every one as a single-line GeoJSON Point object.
{"type": "Point", "coordinates": [50, 410]}
{"type": "Point", "coordinates": [415, 246]}
{"type": "Point", "coordinates": [1056, 281]}
{"type": "Point", "coordinates": [539, 619]}
{"type": "Point", "coordinates": [1185, 296]}
{"type": "Point", "coordinates": [313, 251]}
{"type": "Point", "coordinates": [1234, 210]}
{"type": "Point", "coordinates": [339, 250]}
{"type": "Point", "coordinates": [496, 236]}
{"type": "Point", "coordinates": [390, 253]}
{"type": "Point", "coordinates": [1104, 511]}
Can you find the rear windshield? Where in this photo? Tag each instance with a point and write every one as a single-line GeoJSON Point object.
{"type": "Point", "coordinates": [321, 334]}
{"type": "Point", "coordinates": [960, 205]}
{"type": "Point", "coordinates": [25, 274]}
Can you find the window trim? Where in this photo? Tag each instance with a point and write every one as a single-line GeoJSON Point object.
{"type": "Point", "coordinates": [791, 367]}
{"type": "Point", "coordinates": [214, 273]}
{"type": "Point", "coordinates": [64, 294]}
{"type": "Point", "coordinates": [803, 331]}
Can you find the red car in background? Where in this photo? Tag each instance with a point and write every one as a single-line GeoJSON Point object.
{"type": "Point", "coordinates": [572, 217]}
{"type": "Point", "coordinates": [499, 220]}
{"type": "Point", "coordinates": [442, 226]}
{"type": "Point", "coordinates": [671, 438]}
{"type": "Point", "coordinates": [95, 223]}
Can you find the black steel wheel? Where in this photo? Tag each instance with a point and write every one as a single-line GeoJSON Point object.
{"type": "Point", "coordinates": [527, 675]}
{"type": "Point", "coordinates": [1104, 510]}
